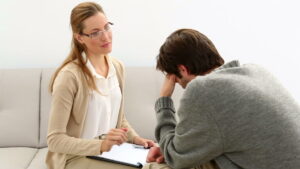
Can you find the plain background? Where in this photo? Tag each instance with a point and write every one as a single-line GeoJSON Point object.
{"type": "Point", "coordinates": [37, 34]}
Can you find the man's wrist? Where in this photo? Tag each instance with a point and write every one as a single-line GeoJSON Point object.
{"type": "Point", "coordinates": [165, 94]}
{"type": "Point", "coordinates": [164, 102]}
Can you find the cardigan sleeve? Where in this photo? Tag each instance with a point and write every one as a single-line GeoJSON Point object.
{"type": "Point", "coordinates": [122, 119]}
{"type": "Point", "coordinates": [64, 92]}
{"type": "Point", "coordinates": [131, 132]}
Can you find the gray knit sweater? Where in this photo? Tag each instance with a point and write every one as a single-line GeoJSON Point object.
{"type": "Point", "coordinates": [240, 116]}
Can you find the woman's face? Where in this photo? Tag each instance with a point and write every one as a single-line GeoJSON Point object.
{"type": "Point", "coordinates": [96, 35]}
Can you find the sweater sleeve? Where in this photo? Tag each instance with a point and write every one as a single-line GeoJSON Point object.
{"type": "Point", "coordinates": [195, 139]}
{"type": "Point", "coordinates": [64, 91]}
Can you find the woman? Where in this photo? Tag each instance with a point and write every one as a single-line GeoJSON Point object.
{"type": "Point", "coordinates": [87, 99]}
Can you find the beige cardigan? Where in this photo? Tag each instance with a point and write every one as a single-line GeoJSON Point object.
{"type": "Point", "coordinates": [67, 116]}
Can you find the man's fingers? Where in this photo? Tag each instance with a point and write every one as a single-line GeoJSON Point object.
{"type": "Point", "coordinates": [150, 159]}
{"type": "Point", "coordinates": [160, 159]}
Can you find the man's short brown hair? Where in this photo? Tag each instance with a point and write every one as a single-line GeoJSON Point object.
{"type": "Point", "coordinates": [190, 48]}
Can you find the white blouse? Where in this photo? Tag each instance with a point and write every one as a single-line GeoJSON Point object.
{"type": "Point", "coordinates": [103, 108]}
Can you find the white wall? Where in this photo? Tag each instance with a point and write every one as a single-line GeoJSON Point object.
{"type": "Point", "coordinates": [36, 33]}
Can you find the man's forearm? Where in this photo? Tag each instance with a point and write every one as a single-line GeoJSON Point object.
{"type": "Point", "coordinates": [165, 114]}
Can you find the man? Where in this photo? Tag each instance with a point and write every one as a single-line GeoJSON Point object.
{"type": "Point", "coordinates": [237, 116]}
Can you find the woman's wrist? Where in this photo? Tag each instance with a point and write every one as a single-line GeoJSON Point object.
{"type": "Point", "coordinates": [134, 139]}
{"type": "Point", "coordinates": [101, 146]}
{"type": "Point", "coordinates": [102, 136]}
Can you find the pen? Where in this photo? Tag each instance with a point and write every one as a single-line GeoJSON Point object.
{"type": "Point", "coordinates": [139, 146]}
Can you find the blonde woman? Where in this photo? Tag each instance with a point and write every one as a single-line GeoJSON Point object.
{"type": "Point", "coordinates": [87, 97]}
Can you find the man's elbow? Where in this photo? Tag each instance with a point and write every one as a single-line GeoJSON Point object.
{"type": "Point", "coordinates": [177, 163]}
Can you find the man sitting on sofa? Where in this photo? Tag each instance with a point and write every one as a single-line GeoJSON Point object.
{"type": "Point", "coordinates": [238, 116]}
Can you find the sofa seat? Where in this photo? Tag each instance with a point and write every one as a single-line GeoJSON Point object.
{"type": "Point", "coordinates": [19, 157]}
{"type": "Point", "coordinates": [39, 160]}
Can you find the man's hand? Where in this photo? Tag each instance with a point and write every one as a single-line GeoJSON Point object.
{"type": "Point", "coordinates": [168, 86]}
{"type": "Point", "coordinates": [114, 137]}
{"type": "Point", "coordinates": [154, 155]}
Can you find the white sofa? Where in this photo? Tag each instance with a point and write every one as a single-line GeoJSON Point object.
{"type": "Point", "coordinates": [25, 104]}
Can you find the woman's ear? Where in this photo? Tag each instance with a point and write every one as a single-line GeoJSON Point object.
{"type": "Point", "coordinates": [78, 37]}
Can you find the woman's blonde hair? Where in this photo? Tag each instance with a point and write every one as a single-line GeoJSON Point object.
{"type": "Point", "coordinates": [79, 13]}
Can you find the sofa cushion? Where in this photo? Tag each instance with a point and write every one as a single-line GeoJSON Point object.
{"type": "Point", "coordinates": [142, 88]}
{"type": "Point", "coordinates": [45, 105]}
{"type": "Point", "coordinates": [16, 158]}
{"type": "Point", "coordinates": [139, 92]}
{"type": "Point", "coordinates": [19, 107]}
{"type": "Point", "coordinates": [38, 161]}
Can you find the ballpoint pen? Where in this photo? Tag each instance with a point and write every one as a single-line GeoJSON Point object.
{"type": "Point", "coordinates": [139, 146]}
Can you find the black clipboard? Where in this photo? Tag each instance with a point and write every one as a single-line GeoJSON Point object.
{"type": "Point", "coordinates": [119, 154]}
{"type": "Point", "coordinates": [138, 165]}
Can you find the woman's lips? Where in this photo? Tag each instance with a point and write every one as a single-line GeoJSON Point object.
{"type": "Point", "coordinates": [105, 45]}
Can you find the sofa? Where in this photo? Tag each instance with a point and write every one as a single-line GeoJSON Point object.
{"type": "Point", "coordinates": [25, 104]}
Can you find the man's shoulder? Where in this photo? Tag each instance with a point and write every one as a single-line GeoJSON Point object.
{"type": "Point", "coordinates": [228, 78]}
{"type": "Point", "coordinates": [244, 71]}
{"type": "Point", "coordinates": [207, 81]}
{"type": "Point", "coordinates": [195, 86]}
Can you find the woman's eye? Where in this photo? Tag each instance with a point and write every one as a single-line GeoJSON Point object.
{"type": "Point", "coordinates": [106, 28]}
{"type": "Point", "coordinates": [95, 33]}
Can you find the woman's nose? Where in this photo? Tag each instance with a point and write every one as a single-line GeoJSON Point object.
{"type": "Point", "coordinates": [105, 36]}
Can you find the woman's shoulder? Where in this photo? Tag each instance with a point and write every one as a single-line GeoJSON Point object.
{"type": "Point", "coordinates": [72, 67]}
{"type": "Point", "coordinates": [71, 71]}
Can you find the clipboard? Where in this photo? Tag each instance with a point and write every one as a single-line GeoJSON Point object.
{"type": "Point", "coordinates": [125, 154]}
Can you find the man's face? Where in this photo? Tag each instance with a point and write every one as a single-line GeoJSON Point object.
{"type": "Point", "coordinates": [183, 81]}
{"type": "Point", "coordinates": [186, 77]}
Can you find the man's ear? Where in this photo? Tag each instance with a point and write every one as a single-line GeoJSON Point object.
{"type": "Point", "coordinates": [183, 69]}
{"type": "Point", "coordinates": [78, 37]}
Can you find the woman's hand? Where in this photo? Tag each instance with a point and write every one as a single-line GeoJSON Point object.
{"type": "Point", "coordinates": [143, 142]}
{"type": "Point", "coordinates": [114, 137]}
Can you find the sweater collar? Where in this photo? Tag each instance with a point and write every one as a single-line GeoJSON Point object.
{"type": "Point", "coordinates": [234, 63]}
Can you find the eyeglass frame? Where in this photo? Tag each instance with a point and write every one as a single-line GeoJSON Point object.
{"type": "Point", "coordinates": [101, 32]}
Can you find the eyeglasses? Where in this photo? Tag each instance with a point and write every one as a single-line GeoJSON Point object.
{"type": "Point", "coordinates": [98, 34]}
